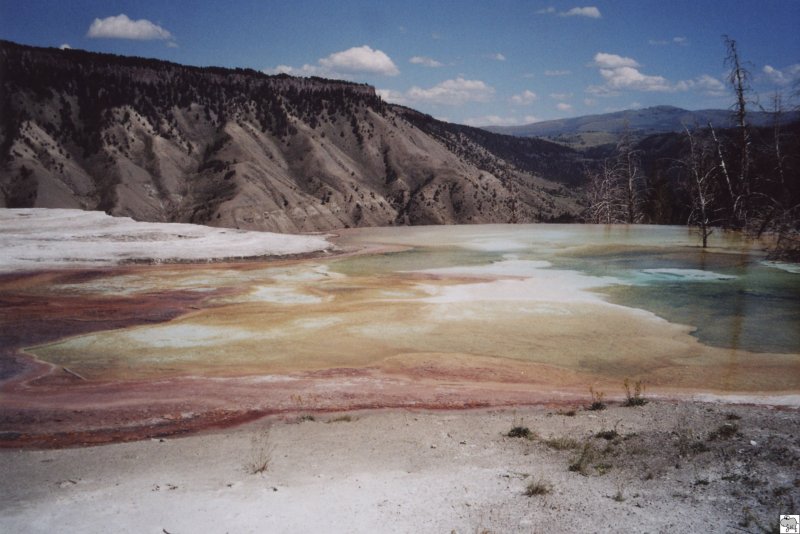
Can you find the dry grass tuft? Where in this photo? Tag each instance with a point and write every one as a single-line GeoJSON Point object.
{"type": "Point", "coordinates": [261, 449]}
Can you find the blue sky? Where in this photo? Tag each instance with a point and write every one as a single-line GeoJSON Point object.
{"type": "Point", "coordinates": [500, 62]}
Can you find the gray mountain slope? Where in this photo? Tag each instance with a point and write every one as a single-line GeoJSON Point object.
{"type": "Point", "coordinates": [163, 142]}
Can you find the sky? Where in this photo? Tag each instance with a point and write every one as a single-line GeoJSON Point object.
{"type": "Point", "coordinates": [500, 62]}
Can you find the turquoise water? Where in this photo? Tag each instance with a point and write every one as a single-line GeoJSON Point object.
{"type": "Point", "coordinates": [727, 293]}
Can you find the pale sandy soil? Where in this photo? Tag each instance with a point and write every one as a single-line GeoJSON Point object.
{"type": "Point", "coordinates": [422, 471]}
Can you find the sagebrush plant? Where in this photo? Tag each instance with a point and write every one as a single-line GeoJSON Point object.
{"type": "Point", "coordinates": [520, 432]}
{"type": "Point", "coordinates": [724, 431]}
{"type": "Point", "coordinates": [538, 487]}
{"type": "Point", "coordinates": [607, 434]}
{"type": "Point", "coordinates": [597, 399]}
{"type": "Point", "coordinates": [342, 419]}
{"type": "Point", "coordinates": [587, 456]}
{"type": "Point", "coordinates": [562, 443]}
{"type": "Point", "coordinates": [636, 396]}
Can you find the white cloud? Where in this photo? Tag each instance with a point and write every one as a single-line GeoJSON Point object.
{"type": "Point", "coordinates": [563, 106]}
{"type": "Point", "coordinates": [704, 83]}
{"type": "Point", "coordinates": [172, 44]}
{"type": "Point", "coordinates": [590, 11]}
{"type": "Point", "coordinates": [121, 27]}
{"type": "Point", "coordinates": [601, 90]}
{"type": "Point", "coordinates": [710, 85]}
{"type": "Point", "coordinates": [589, 102]}
{"type": "Point", "coordinates": [496, 120]}
{"type": "Point", "coordinates": [621, 72]}
{"type": "Point", "coordinates": [425, 61]}
{"type": "Point", "coordinates": [560, 96]}
{"type": "Point", "coordinates": [525, 98]}
{"type": "Point", "coordinates": [631, 78]}
{"type": "Point", "coordinates": [360, 59]}
{"type": "Point", "coordinates": [449, 92]}
{"type": "Point", "coordinates": [497, 57]}
{"type": "Point", "coordinates": [784, 76]}
{"type": "Point", "coordinates": [65, 46]}
{"type": "Point", "coordinates": [452, 92]}
{"type": "Point", "coordinates": [613, 61]}
{"type": "Point", "coordinates": [557, 73]}
{"type": "Point", "coordinates": [305, 70]}
{"type": "Point", "coordinates": [356, 60]}
{"type": "Point", "coordinates": [680, 41]}
{"type": "Point", "coordinates": [390, 95]}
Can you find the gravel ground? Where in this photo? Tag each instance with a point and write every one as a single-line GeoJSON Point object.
{"type": "Point", "coordinates": [667, 466]}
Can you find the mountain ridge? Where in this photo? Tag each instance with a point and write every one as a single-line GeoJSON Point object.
{"type": "Point", "coordinates": [578, 131]}
{"type": "Point", "coordinates": [160, 141]}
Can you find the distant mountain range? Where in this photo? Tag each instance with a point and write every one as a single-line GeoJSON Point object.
{"type": "Point", "coordinates": [593, 130]}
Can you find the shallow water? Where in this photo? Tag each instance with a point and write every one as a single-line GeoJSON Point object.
{"type": "Point", "coordinates": [597, 301]}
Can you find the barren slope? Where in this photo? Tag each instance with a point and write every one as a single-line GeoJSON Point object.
{"type": "Point", "coordinates": [163, 142]}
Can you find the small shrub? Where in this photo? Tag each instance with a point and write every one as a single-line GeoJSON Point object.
{"type": "Point", "coordinates": [635, 397]}
{"type": "Point", "coordinates": [520, 432]}
{"type": "Point", "coordinates": [567, 413]}
{"type": "Point", "coordinates": [607, 434]}
{"type": "Point", "coordinates": [597, 399]}
{"type": "Point", "coordinates": [261, 449]}
{"type": "Point", "coordinates": [587, 456]}
{"type": "Point", "coordinates": [781, 491]}
{"type": "Point", "coordinates": [619, 497]}
{"type": "Point", "coordinates": [724, 431]}
{"type": "Point", "coordinates": [562, 443]}
{"type": "Point", "coordinates": [732, 417]}
{"type": "Point", "coordinates": [538, 487]}
{"type": "Point", "coordinates": [342, 419]}
{"type": "Point", "coordinates": [602, 468]}
{"type": "Point", "coordinates": [305, 417]}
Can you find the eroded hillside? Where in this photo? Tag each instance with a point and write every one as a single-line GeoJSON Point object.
{"type": "Point", "coordinates": [164, 142]}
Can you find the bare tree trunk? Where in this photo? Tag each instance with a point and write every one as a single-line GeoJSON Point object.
{"type": "Point", "coordinates": [777, 115]}
{"type": "Point", "coordinates": [606, 205]}
{"type": "Point", "coordinates": [630, 175]}
{"type": "Point", "coordinates": [724, 167]}
{"type": "Point", "coordinates": [739, 79]}
{"type": "Point", "coordinates": [701, 188]}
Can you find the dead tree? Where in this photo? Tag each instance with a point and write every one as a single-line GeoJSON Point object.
{"type": "Point", "coordinates": [629, 176]}
{"type": "Point", "coordinates": [606, 197]}
{"type": "Point", "coordinates": [739, 79]}
{"type": "Point", "coordinates": [702, 175]}
{"type": "Point", "coordinates": [778, 212]}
